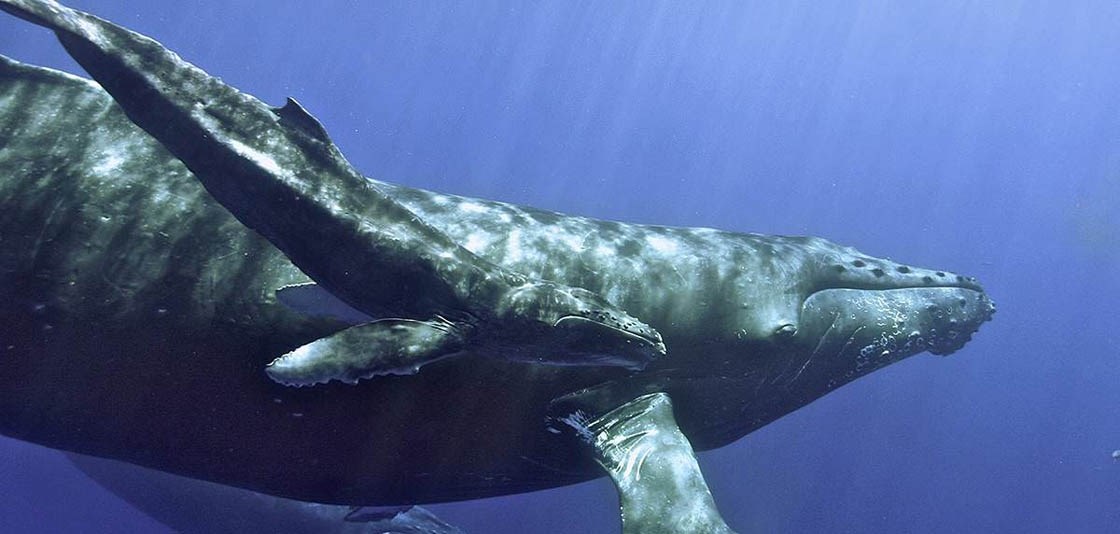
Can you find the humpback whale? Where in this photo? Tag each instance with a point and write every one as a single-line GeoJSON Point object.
{"type": "Point", "coordinates": [132, 298]}
{"type": "Point", "coordinates": [443, 299]}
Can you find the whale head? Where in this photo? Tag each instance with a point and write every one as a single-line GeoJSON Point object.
{"type": "Point", "coordinates": [546, 322]}
{"type": "Point", "coordinates": [833, 307]}
{"type": "Point", "coordinates": [805, 317]}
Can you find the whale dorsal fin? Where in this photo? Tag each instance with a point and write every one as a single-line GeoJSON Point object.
{"type": "Point", "coordinates": [292, 114]}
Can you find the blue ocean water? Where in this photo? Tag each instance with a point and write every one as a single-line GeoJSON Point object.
{"type": "Point", "coordinates": [978, 137]}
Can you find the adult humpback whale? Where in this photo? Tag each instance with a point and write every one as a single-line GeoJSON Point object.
{"type": "Point", "coordinates": [131, 292]}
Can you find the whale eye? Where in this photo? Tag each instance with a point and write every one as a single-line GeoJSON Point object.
{"type": "Point", "coordinates": [785, 331]}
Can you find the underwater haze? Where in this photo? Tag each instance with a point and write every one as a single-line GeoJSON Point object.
{"type": "Point", "coordinates": [982, 137]}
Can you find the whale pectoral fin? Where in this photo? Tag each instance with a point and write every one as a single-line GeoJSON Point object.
{"type": "Point", "coordinates": [661, 489]}
{"type": "Point", "coordinates": [313, 300]}
{"type": "Point", "coordinates": [385, 347]}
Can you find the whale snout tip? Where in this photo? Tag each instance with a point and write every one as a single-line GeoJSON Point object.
{"type": "Point", "coordinates": [990, 306]}
{"type": "Point", "coordinates": [956, 324]}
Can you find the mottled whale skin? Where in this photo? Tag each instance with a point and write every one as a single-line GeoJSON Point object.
{"type": "Point", "coordinates": [280, 174]}
{"type": "Point", "coordinates": [131, 300]}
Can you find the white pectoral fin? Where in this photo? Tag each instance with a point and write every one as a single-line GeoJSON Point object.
{"type": "Point", "coordinates": [385, 347]}
{"type": "Point", "coordinates": [653, 466]}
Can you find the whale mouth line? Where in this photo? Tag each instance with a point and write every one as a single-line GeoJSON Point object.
{"type": "Point", "coordinates": [576, 321]}
{"type": "Point", "coordinates": [967, 292]}
{"type": "Point", "coordinates": [967, 286]}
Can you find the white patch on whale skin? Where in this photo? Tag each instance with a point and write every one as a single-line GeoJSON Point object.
{"type": "Point", "coordinates": [110, 163]}
{"type": "Point", "coordinates": [514, 253]}
{"type": "Point", "coordinates": [662, 244]}
{"type": "Point", "coordinates": [477, 242]}
{"type": "Point", "coordinates": [573, 242]}
{"type": "Point", "coordinates": [256, 156]}
{"type": "Point", "coordinates": [262, 159]}
{"type": "Point", "coordinates": [298, 358]}
{"type": "Point", "coordinates": [89, 30]}
{"type": "Point", "coordinates": [473, 207]}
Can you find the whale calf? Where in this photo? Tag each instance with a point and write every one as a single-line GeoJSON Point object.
{"type": "Point", "coordinates": [343, 229]}
{"type": "Point", "coordinates": [150, 304]}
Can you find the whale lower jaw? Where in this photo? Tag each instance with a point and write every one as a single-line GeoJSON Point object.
{"type": "Point", "coordinates": [885, 325]}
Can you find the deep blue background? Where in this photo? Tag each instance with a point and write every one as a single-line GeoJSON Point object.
{"type": "Point", "coordinates": [982, 137]}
